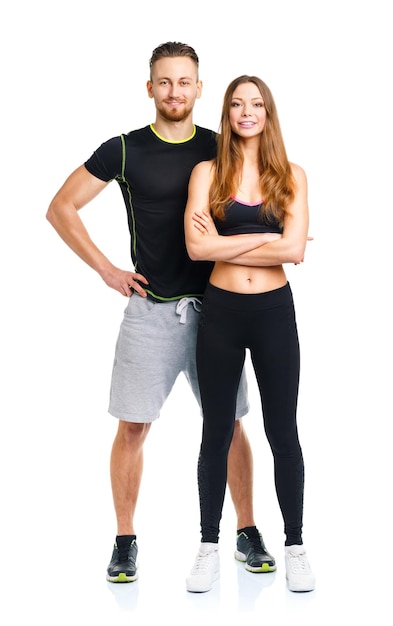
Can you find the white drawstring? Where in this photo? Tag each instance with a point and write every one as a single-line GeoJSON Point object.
{"type": "Point", "coordinates": [182, 305]}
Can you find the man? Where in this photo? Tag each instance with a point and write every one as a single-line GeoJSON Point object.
{"type": "Point", "coordinates": [157, 337]}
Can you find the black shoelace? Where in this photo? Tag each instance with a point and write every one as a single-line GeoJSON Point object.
{"type": "Point", "coordinates": [256, 543]}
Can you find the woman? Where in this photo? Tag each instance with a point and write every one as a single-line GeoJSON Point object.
{"type": "Point", "coordinates": [247, 211]}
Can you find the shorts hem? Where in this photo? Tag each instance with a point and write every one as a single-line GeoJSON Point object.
{"type": "Point", "coordinates": [242, 412]}
{"type": "Point", "coordinates": [126, 417]}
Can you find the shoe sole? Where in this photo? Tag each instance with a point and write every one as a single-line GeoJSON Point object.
{"type": "Point", "coordinates": [194, 588]}
{"type": "Point", "coordinates": [300, 588]}
{"type": "Point", "coordinates": [122, 578]}
{"type": "Point", "coordinates": [261, 569]}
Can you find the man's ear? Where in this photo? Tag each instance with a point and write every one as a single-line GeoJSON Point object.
{"type": "Point", "coordinates": [199, 88]}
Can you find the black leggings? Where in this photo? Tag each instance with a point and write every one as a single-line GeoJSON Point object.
{"type": "Point", "coordinates": [265, 324]}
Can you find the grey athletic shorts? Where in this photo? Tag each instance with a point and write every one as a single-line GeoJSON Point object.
{"type": "Point", "coordinates": [156, 343]}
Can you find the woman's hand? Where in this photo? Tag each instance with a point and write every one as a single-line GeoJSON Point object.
{"type": "Point", "coordinates": [203, 222]}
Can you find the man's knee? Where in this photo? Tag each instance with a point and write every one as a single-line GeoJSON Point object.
{"type": "Point", "coordinates": [132, 433]}
{"type": "Point", "coordinates": [240, 439]}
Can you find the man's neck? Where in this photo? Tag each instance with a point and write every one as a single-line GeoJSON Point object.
{"type": "Point", "coordinates": [174, 131]}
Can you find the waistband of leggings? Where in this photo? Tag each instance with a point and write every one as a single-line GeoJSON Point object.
{"type": "Point", "coordinates": [265, 299]}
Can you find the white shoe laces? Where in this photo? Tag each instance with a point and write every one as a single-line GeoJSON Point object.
{"type": "Point", "coordinates": [202, 564]}
{"type": "Point", "coordinates": [299, 563]}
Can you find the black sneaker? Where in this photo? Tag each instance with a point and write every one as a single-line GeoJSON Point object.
{"type": "Point", "coordinates": [122, 568]}
{"type": "Point", "coordinates": [251, 550]}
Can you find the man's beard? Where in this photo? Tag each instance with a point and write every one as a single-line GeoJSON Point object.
{"type": "Point", "coordinates": [174, 115]}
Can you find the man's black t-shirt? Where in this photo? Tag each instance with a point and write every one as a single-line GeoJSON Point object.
{"type": "Point", "coordinates": [153, 175]}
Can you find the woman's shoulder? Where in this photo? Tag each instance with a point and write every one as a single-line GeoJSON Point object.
{"type": "Point", "coordinates": [204, 166]}
{"type": "Point", "coordinates": [203, 170]}
{"type": "Point", "coordinates": [297, 171]}
{"type": "Point", "coordinates": [299, 176]}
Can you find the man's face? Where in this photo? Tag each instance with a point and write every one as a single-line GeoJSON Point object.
{"type": "Point", "coordinates": [174, 86]}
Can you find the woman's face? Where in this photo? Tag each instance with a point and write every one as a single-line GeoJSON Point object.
{"type": "Point", "coordinates": [247, 113]}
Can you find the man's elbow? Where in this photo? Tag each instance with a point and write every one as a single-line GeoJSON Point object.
{"type": "Point", "coordinates": [56, 213]}
{"type": "Point", "coordinates": [50, 215]}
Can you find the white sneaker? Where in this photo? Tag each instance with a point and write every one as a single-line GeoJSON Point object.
{"type": "Point", "coordinates": [206, 569]}
{"type": "Point", "coordinates": [299, 574]}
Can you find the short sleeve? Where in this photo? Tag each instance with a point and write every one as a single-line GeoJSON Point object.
{"type": "Point", "coordinates": [106, 162]}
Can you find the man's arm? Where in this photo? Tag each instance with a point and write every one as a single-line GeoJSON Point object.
{"type": "Point", "coordinates": [63, 214]}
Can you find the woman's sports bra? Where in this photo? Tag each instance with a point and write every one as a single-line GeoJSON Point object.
{"type": "Point", "coordinates": [242, 219]}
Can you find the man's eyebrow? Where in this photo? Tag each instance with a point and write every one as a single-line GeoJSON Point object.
{"type": "Point", "coordinates": [180, 78]}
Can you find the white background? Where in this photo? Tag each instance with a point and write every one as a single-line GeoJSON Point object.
{"type": "Point", "coordinates": [73, 75]}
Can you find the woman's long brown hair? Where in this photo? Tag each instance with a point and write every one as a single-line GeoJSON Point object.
{"type": "Point", "coordinates": [276, 180]}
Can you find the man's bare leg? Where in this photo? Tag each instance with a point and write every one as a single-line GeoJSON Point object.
{"type": "Point", "coordinates": [240, 476]}
{"type": "Point", "coordinates": [250, 547]}
{"type": "Point", "coordinates": [126, 466]}
{"type": "Point", "coordinates": [126, 473]}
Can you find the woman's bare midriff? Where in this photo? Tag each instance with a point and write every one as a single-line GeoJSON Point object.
{"type": "Point", "coordinates": [246, 279]}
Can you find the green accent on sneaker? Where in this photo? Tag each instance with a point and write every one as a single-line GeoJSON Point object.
{"type": "Point", "coordinates": [265, 567]}
{"type": "Point", "coordinates": [122, 578]}
{"type": "Point", "coordinates": [261, 569]}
